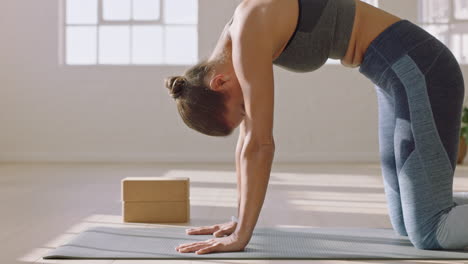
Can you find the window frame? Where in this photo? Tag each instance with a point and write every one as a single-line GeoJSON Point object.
{"type": "Point", "coordinates": [451, 18]}
{"type": "Point", "coordinates": [451, 23]}
{"type": "Point", "coordinates": [131, 22]}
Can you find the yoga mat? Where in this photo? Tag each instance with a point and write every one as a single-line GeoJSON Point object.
{"type": "Point", "coordinates": [266, 243]}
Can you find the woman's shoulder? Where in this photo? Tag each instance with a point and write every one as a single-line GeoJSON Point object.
{"type": "Point", "coordinates": [266, 9]}
{"type": "Point", "coordinates": [254, 13]}
{"type": "Point", "coordinates": [272, 21]}
{"type": "Point", "coordinates": [251, 5]}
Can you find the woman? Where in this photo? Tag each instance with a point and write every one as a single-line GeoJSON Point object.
{"type": "Point", "coordinates": [419, 88]}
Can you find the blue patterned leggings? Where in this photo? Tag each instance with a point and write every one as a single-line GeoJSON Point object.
{"type": "Point", "coordinates": [420, 92]}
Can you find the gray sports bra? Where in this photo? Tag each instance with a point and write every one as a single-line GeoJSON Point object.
{"type": "Point", "coordinates": [323, 31]}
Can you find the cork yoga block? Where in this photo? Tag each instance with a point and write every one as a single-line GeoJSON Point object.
{"type": "Point", "coordinates": [156, 199]}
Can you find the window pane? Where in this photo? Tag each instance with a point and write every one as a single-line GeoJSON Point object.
{"type": "Point", "coordinates": [81, 11]}
{"type": "Point", "coordinates": [181, 44]}
{"type": "Point", "coordinates": [461, 9]}
{"type": "Point", "coordinates": [116, 9]}
{"type": "Point", "coordinates": [80, 45]}
{"type": "Point", "coordinates": [460, 47]}
{"type": "Point", "coordinates": [146, 9]}
{"type": "Point", "coordinates": [464, 53]}
{"type": "Point", "coordinates": [147, 45]}
{"type": "Point", "coordinates": [181, 11]}
{"type": "Point", "coordinates": [114, 44]}
{"type": "Point", "coordinates": [456, 45]}
{"type": "Point", "coordinates": [435, 11]}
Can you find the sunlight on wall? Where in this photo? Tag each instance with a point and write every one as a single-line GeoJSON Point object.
{"type": "Point", "coordinates": [284, 179]}
{"type": "Point", "coordinates": [219, 197]}
{"type": "Point", "coordinates": [326, 180]}
{"type": "Point", "coordinates": [355, 199]}
{"type": "Point", "coordinates": [337, 196]}
{"type": "Point", "coordinates": [350, 193]}
{"type": "Point", "coordinates": [200, 176]}
{"type": "Point", "coordinates": [340, 206]}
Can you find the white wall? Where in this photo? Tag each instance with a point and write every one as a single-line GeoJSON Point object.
{"type": "Point", "coordinates": [112, 113]}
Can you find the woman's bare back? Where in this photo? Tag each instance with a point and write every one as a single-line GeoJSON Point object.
{"type": "Point", "coordinates": [368, 24]}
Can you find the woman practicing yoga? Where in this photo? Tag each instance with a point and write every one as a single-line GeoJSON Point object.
{"type": "Point", "coordinates": [419, 87]}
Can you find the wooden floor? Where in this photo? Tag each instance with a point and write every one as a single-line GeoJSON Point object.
{"type": "Point", "coordinates": [42, 205]}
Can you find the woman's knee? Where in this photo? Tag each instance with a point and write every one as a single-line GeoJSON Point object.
{"type": "Point", "coordinates": [424, 241]}
{"type": "Point", "coordinates": [423, 234]}
{"type": "Point", "coordinates": [452, 232]}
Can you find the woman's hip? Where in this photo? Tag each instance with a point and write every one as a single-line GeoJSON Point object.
{"type": "Point", "coordinates": [403, 42]}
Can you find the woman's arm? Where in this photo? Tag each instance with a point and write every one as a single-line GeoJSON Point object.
{"type": "Point", "coordinates": [256, 162]}
{"type": "Point", "coordinates": [240, 143]}
{"type": "Point", "coordinates": [252, 51]}
{"type": "Point", "coordinates": [252, 55]}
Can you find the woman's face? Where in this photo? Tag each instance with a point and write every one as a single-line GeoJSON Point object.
{"type": "Point", "coordinates": [235, 107]}
{"type": "Point", "coordinates": [228, 84]}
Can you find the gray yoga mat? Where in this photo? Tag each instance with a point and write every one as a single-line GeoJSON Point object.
{"type": "Point", "coordinates": [266, 243]}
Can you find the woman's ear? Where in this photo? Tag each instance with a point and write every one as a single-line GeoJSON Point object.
{"type": "Point", "coordinates": [217, 82]}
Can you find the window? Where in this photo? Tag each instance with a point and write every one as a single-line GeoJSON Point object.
{"type": "Point", "coordinates": [124, 32]}
{"type": "Point", "coordinates": [448, 21]}
{"type": "Point", "coordinates": [371, 2]}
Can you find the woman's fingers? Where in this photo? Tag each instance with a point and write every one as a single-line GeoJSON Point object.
{"type": "Point", "coordinates": [190, 244]}
{"type": "Point", "coordinates": [209, 249]}
{"type": "Point", "coordinates": [192, 248]}
{"type": "Point", "coordinates": [207, 230]}
{"type": "Point", "coordinates": [223, 232]}
{"type": "Point", "coordinates": [222, 244]}
{"type": "Point", "coordinates": [226, 230]}
{"type": "Point", "coordinates": [204, 230]}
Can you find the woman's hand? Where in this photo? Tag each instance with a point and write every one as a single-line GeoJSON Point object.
{"type": "Point", "coordinates": [220, 244]}
{"type": "Point", "coordinates": [218, 230]}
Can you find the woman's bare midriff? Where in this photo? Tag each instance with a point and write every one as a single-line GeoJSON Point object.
{"type": "Point", "coordinates": [369, 22]}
